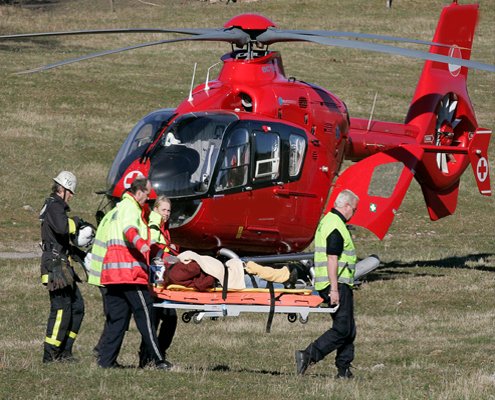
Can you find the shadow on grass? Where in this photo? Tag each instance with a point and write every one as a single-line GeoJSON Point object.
{"type": "Point", "coordinates": [226, 368]}
{"type": "Point", "coordinates": [391, 270]}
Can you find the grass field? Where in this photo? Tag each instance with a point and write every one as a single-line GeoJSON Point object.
{"type": "Point", "coordinates": [426, 319]}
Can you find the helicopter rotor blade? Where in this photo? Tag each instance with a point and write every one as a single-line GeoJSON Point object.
{"type": "Point", "coordinates": [358, 35]}
{"type": "Point", "coordinates": [234, 36]}
{"type": "Point", "coordinates": [109, 31]}
{"type": "Point", "coordinates": [269, 37]}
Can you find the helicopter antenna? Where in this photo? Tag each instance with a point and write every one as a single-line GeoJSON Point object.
{"type": "Point", "coordinates": [372, 110]}
{"type": "Point", "coordinates": [192, 83]}
{"type": "Point", "coordinates": [208, 76]}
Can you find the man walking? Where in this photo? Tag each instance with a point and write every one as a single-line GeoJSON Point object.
{"type": "Point", "coordinates": [335, 263]}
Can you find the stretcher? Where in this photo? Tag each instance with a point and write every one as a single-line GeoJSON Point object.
{"type": "Point", "coordinates": [296, 303]}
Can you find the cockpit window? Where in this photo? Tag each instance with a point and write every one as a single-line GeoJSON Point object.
{"type": "Point", "coordinates": [296, 155]}
{"type": "Point", "coordinates": [137, 142]}
{"type": "Point", "coordinates": [183, 162]}
{"type": "Point", "coordinates": [235, 165]}
{"type": "Point", "coordinates": [267, 156]}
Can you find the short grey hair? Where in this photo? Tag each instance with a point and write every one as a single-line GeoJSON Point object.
{"type": "Point", "coordinates": [346, 197]}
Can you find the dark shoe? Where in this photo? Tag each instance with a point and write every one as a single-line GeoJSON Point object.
{"type": "Point", "coordinates": [50, 356]}
{"type": "Point", "coordinates": [302, 362]}
{"type": "Point", "coordinates": [344, 373]}
{"type": "Point", "coordinates": [164, 365]}
{"type": "Point", "coordinates": [67, 357]}
{"type": "Point", "coordinates": [291, 282]}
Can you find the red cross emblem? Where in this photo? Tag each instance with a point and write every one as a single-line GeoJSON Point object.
{"type": "Point", "coordinates": [129, 178]}
{"type": "Point", "coordinates": [482, 169]}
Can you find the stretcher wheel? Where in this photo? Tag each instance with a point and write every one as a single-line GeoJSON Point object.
{"type": "Point", "coordinates": [186, 317]}
{"type": "Point", "coordinates": [292, 317]}
{"type": "Point", "coordinates": [196, 319]}
{"type": "Point", "coordinates": [303, 320]}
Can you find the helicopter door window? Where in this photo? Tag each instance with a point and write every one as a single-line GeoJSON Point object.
{"type": "Point", "coordinates": [384, 179]}
{"type": "Point", "coordinates": [267, 157]}
{"type": "Point", "coordinates": [296, 155]}
{"type": "Point", "coordinates": [235, 164]}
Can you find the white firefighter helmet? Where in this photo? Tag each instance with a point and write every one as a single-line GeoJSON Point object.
{"type": "Point", "coordinates": [85, 236]}
{"type": "Point", "coordinates": [67, 180]}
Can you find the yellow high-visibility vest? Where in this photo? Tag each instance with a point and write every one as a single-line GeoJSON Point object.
{"type": "Point", "coordinates": [346, 261]}
{"type": "Point", "coordinates": [99, 248]}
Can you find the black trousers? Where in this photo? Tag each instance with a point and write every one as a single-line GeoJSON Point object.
{"type": "Point", "coordinates": [120, 300]}
{"type": "Point", "coordinates": [103, 292]}
{"type": "Point", "coordinates": [341, 334]}
{"type": "Point", "coordinates": [165, 321]}
{"type": "Point", "coordinates": [64, 321]}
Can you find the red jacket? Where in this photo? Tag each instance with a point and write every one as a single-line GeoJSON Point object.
{"type": "Point", "coordinates": [125, 261]}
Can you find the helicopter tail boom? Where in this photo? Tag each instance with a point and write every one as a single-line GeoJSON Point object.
{"type": "Point", "coordinates": [439, 139]}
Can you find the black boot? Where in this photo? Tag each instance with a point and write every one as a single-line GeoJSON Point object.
{"type": "Point", "coordinates": [344, 373]}
{"type": "Point", "coordinates": [302, 362]}
{"type": "Point", "coordinates": [66, 356]}
{"type": "Point", "coordinates": [49, 355]}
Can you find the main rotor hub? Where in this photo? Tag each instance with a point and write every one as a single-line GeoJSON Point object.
{"type": "Point", "coordinates": [250, 22]}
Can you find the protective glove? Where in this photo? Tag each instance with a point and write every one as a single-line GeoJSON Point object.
{"type": "Point", "coordinates": [59, 276]}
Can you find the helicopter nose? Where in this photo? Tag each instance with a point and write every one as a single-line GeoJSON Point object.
{"type": "Point", "coordinates": [171, 170]}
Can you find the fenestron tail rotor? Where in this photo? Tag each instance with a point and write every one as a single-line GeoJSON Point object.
{"type": "Point", "coordinates": [446, 123]}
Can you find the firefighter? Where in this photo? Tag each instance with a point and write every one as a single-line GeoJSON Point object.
{"type": "Point", "coordinates": [125, 275]}
{"type": "Point", "coordinates": [57, 274]}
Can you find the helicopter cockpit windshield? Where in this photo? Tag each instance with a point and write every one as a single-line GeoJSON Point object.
{"type": "Point", "coordinates": [183, 162]}
{"type": "Point", "coordinates": [138, 141]}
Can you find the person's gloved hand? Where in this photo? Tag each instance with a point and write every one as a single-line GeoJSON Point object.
{"type": "Point", "coordinates": [59, 276]}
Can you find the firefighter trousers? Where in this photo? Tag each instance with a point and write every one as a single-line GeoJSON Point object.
{"type": "Point", "coordinates": [120, 300]}
{"type": "Point", "coordinates": [64, 321]}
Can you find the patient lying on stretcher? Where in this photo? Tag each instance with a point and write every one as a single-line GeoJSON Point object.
{"type": "Point", "coordinates": [205, 272]}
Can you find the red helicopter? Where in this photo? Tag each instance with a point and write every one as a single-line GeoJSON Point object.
{"type": "Point", "coordinates": [250, 159]}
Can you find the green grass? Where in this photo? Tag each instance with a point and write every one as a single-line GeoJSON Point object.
{"type": "Point", "coordinates": [423, 332]}
{"type": "Point", "coordinates": [425, 319]}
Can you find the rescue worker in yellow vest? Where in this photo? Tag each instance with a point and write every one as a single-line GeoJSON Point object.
{"type": "Point", "coordinates": [66, 302]}
{"type": "Point", "coordinates": [125, 274]}
{"type": "Point", "coordinates": [335, 263]}
{"type": "Point", "coordinates": [95, 266]}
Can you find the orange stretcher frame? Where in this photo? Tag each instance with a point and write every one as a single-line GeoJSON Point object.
{"type": "Point", "coordinates": [283, 297]}
{"type": "Point", "coordinates": [216, 303]}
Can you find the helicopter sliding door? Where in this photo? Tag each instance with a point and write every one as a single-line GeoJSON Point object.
{"type": "Point", "coordinates": [277, 158]}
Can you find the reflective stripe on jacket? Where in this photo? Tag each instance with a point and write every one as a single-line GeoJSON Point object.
{"type": "Point", "coordinates": [123, 262]}
{"type": "Point", "coordinates": [346, 261]}
{"type": "Point", "coordinates": [99, 248]}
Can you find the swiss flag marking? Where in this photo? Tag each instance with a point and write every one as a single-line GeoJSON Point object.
{"type": "Point", "coordinates": [129, 178]}
{"type": "Point", "coordinates": [482, 169]}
